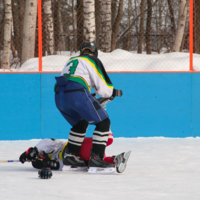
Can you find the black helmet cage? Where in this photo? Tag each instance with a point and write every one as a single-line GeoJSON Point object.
{"type": "Point", "coordinates": [91, 46]}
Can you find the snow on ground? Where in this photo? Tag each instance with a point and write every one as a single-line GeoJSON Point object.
{"type": "Point", "coordinates": [121, 60]}
{"type": "Point", "coordinates": [158, 169]}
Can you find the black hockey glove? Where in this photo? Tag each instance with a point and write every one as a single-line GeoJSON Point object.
{"type": "Point", "coordinates": [47, 162]}
{"type": "Point", "coordinates": [39, 163]}
{"type": "Point", "coordinates": [116, 93]}
{"type": "Point", "coordinates": [29, 155]}
{"type": "Point", "coordinates": [45, 159]}
{"type": "Point", "coordinates": [104, 101]}
{"type": "Point", "coordinates": [45, 173]}
{"type": "Point", "coordinates": [54, 164]}
{"type": "Point", "coordinates": [94, 95]}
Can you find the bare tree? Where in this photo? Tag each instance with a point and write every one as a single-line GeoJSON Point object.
{"type": "Point", "coordinates": [106, 26]}
{"type": "Point", "coordinates": [49, 26]}
{"type": "Point", "coordinates": [114, 10]}
{"type": "Point", "coordinates": [148, 27]}
{"type": "Point", "coordinates": [98, 22]}
{"type": "Point", "coordinates": [2, 16]}
{"type": "Point", "coordinates": [171, 11]}
{"type": "Point", "coordinates": [79, 23]}
{"type": "Point", "coordinates": [159, 27]}
{"type": "Point", "coordinates": [7, 34]}
{"type": "Point", "coordinates": [141, 31]}
{"type": "Point", "coordinates": [197, 26]}
{"type": "Point", "coordinates": [74, 26]}
{"type": "Point", "coordinates": [21, 11]}
{"type": "Point", "coordinates": [15, 18]}
{"type": "Point", "coordinates": [129, 23]}
{"type": "Point", "coordinates": [181, 25]}
{"type": "Point", "coordinates": [116, 24]}
{"type": "Point", "coordinates": [89, 20]}
{"type": "Point", "coordinates": [61, 30]}
{"type": "Point", "coordinates": [29, 30]}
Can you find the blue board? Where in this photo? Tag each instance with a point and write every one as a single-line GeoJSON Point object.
{"type": "Point", "coordinates": [153, 104]}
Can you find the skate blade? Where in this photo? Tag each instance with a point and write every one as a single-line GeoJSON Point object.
{"type": "Point", "coordinates": [99, 170]}
{"type": "Point", "coordinates": [122, 166]}
{"type": "Point", "coordinates": [126, 155]}
{"type": "Point", "coordinates": [72, 168]}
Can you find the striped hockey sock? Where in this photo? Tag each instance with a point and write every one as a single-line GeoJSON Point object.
{"type": "Point", "coordinates": [75, 141]}
{"type": "Point", "coordinates": [99, 142]}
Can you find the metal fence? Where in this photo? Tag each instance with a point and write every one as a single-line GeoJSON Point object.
{"type": "Point", "coordinates": [131, 35]}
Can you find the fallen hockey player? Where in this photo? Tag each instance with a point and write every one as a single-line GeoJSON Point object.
{"type": "Point", "coordinates": [48, 155]}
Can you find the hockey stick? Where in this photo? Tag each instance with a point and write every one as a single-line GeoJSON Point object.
{"type": "Point", "coordinates": [5, 161]}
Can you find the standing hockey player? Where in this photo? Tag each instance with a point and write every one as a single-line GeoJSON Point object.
{"type": "Point", "coordinates": [77, 105]}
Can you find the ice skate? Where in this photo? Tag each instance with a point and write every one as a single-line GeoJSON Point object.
{"type": "Point", "coordinates": [121, 160]}
{"type": "Point", "coordinates": [72, 162]}
{"type": "Point", "coordinates": [97, 165]}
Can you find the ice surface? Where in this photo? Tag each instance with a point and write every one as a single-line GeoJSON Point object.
{"type": "Point", "coordinates": [158, 169]}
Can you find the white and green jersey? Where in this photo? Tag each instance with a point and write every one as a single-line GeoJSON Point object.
{"type": "Point", "coordinates": [53, 148]}
{"type": "Point", "coordinates": [90, 72]}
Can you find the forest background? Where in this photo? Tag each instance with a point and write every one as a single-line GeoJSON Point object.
{"type": "Point", "coordinates": [149, 26]}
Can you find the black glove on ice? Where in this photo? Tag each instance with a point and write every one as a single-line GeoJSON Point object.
{"type": "Point", "coordinates": [45, 173]}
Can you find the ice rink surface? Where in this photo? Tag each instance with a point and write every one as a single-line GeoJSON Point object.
{"type": "Point", "coordinates": [158, 169]}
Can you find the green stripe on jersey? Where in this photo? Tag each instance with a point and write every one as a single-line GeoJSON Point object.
{"type": "Point", "coordinates": [94, 65]}
{"type": "Point", "coordinates": [80, 80]}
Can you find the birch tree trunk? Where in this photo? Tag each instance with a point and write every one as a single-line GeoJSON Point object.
{"type": "Point", "coordinates": [49, 27]}
{"type": "Point", "coordinates": [115, 28]}
{"type": "Point", "coordinates": [89, 20]}
{"type": "Point", "coordinates": [141, 31]}
{"type": "Point", "coordinates": [106, 26]}
{"type": "Point", "coordinates": [7, 34]}
{"type": "Point", "coordinates": [28, 45]}
{"type": "Point", "coordinates": [181, 25]}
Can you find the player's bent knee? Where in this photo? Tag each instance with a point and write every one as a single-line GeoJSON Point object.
{"type": "Point", "coordinates": [103, 126]}
{"type": "Point", "coordinates": [80, 127]}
